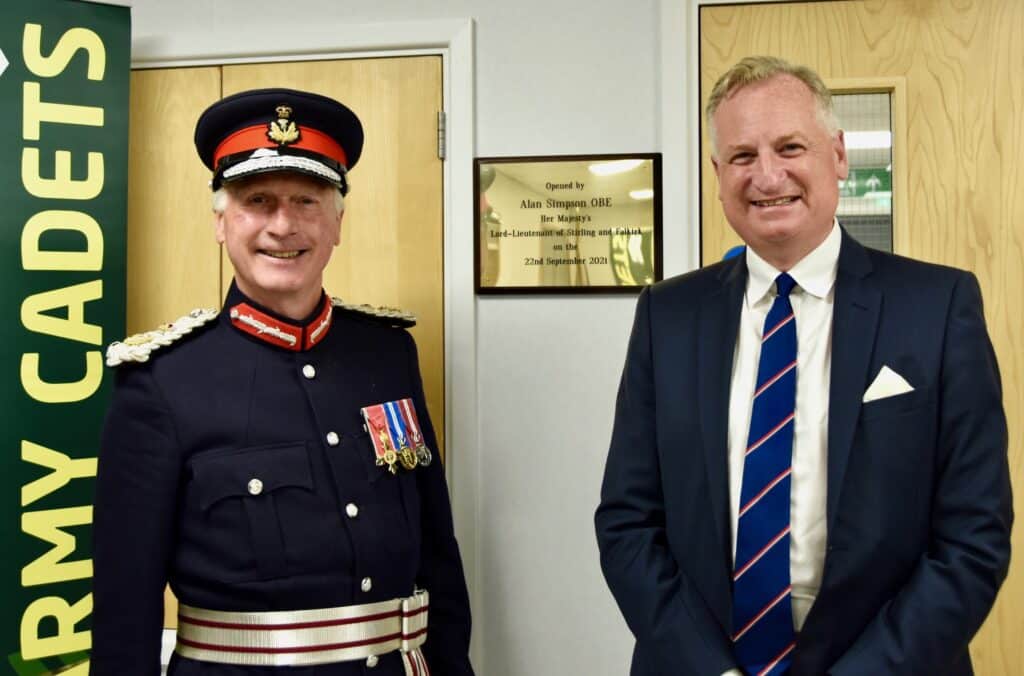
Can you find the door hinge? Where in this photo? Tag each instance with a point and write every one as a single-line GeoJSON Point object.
{"type": "Point", "coordinates": [442, 135]}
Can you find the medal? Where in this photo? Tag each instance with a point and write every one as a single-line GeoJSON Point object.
{"type": "Point", "coordinates": [389, 458]}
{"type": "Point", "coordinates": [408, 412]}
{"type": "Point", "coordinates": [383, 444]}
{"type": "Point", "coordinates": [408, 458]}
{"type": "Point", "coordinates": [395, 432]}
{"type": "Point", "coordinates": [396, 425]}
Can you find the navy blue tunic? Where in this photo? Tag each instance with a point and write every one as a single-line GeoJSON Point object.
{"type": "Point", "coordinates": [188, 430]}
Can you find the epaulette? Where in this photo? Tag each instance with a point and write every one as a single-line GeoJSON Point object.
{"type": "Point", "coordinates": [388, 315]}
{"type": "Point", "coordinates": [138, 347]}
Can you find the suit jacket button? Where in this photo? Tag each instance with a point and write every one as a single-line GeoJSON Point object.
{"type": "Point", "coordinates": [255, 486]}
{"type": "Point", "coordinates": [333, 439]}
{"type": "Point", "coordinates": [366, 585]}
{"type": "Point", "coordinates": [371, 661]}
{"type": "Point", "coordinates": [351, 510]}
{"type": "Point", "coordinates": [309, 371]}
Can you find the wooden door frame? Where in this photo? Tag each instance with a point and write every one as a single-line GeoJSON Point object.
{"type": "Point", "coordinates": [453, 40]}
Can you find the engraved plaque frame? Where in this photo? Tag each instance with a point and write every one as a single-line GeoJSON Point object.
{"type": "Point", "coordinates": [567, 224]}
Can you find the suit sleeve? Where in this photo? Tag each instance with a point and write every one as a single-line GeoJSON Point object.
{"type": "Point", "coordinates": [447, 647]}
{"type": "Point", "coordinates": [666, 613]}
{"type": "Point", "coordinates": [133, 524]}
{"type": "Point", "coordinates": [930, 622]}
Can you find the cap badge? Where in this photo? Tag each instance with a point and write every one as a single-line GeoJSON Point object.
{"type": "Point", "coordinates": [283, 131]}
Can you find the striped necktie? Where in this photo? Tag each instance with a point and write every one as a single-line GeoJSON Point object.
{"type": "Point", "coordinates": [762, 609]}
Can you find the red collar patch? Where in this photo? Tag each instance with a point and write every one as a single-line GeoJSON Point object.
{"type": "Point", "coordinates": [279, 333]}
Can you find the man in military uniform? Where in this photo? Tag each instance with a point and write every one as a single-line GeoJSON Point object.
{"type": "Point", "coordinates": [272, 461]}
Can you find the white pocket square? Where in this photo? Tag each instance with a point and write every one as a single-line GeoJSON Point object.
{"type": "Point", "coordinates": [887, 383]}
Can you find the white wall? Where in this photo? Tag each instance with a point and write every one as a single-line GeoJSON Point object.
{"type": "Point", "coordinates": [574, 77]}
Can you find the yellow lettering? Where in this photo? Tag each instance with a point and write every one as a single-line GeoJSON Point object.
{"type": "Point", "coordinates": [35, 258]}
{"type": "Point", "coordinates": [67, 640]}
{"type": "Point", "coordinates": [61, 186]}
{"type": "Point", "coordinates": [69, 43]}
{"type": "Point", "coordinates": [50, 567]}
{"type": "Point", "coordinates": [74, 299]}
{"type": "Point", "coordinates": [61, 393]}
{"type": "Point", "coordinates": [64, 470]}
{"type": "Point", "coordinates": [36, 111]}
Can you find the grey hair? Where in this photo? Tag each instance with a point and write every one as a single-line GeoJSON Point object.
{"type": "Point", "coordinates": [759, 69]}
{"type": "Point", "coordinates": [220, 200]}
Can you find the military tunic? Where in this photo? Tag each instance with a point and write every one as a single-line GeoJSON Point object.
{"type": "Point", "coordinates": [241, 473]}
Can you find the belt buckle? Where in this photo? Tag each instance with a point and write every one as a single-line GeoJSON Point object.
{"type": "Point", "coordinates": [414, 620]}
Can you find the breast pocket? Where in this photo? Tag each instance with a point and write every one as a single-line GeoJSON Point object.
{"type": "Point", "coordinates": [889, 475]}
{"type": "Point", "coordinates": [248, 499]}
{"type": "Point", "coordinates": [900, 404]}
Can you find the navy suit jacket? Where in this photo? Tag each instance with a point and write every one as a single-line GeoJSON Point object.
{"type": "Point", "coordinates": [919, 505]}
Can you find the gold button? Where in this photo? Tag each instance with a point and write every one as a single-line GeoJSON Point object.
{"type": "Point", "coordinates": [255, 486]}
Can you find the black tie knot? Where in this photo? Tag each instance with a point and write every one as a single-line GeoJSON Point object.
{"type": "Point", "coordinates": [784, 284]}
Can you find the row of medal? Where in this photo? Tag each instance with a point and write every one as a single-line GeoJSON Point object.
{"type": "Point", "coordinates": [395, 432]}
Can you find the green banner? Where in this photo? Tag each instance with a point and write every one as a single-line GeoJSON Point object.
{"type": "Point", "coordinates": [63, 172]}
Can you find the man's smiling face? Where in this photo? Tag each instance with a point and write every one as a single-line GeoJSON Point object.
{"type": "Point", "coordinates": [280, 230]}
{"type": "Point", "coordinates": [778, 168]}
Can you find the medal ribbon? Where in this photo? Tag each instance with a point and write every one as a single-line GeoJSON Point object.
{"type": "Point", "coordinates": [377, 425]}
{"type": "Point", "coordinates": [409, 416]}
{"type": "Point", "coordinates": [396, 425]}
{"type": "Point", "coordinates": [396, 422]}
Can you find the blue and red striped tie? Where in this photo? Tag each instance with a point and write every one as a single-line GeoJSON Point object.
{"type": "Point", "coordinates": [762, 608]}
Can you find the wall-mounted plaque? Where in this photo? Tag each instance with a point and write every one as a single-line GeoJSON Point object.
{"type": "Point", "coordinates": [568, 224]}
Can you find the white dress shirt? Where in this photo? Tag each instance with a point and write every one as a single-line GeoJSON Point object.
{"type": "Point", "coordinates": [812, 301]}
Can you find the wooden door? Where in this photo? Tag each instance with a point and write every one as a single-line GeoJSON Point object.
{"type": "Point", "coordinates": [961, 62]}
{"type": "Point", "coordinates": [391, 250]}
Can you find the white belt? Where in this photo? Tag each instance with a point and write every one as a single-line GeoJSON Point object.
{"type": "Point", "coordinates": [305, 637]}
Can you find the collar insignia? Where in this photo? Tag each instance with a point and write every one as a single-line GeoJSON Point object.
{"type": "Point", "coordinates": [248, 319]}
{"type": "Point", "coordinates": [283, 131]}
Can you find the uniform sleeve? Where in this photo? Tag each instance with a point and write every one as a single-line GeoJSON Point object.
{"type": "Point", "coordinates": [136, 491]}
{"type": "Point", "coordinates": [441, 572]}
{"type": "Point", "coordinates": [665, 611]}
{"type": "Point", "coordinates": [945, 600]}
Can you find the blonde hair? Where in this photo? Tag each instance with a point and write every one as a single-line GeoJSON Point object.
{"type": "Point", "coordinates": [754, 69]}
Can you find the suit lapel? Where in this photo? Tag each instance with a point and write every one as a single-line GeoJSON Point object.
{"type": "Point", "coordinates": [854, 324]}
{"type": "Point", "coordinates": [718, 325]}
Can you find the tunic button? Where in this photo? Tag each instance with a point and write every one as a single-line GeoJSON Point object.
{"type": "Point", "coordinates": [309, 371]}
{"type": "Point", "coordinates": [351, 510]}
{"type": "Point", "coordinates": [333, 439]}
{"type": "Point", "coordinates": [255, 486]}
{"type": "Point", "coordinates": [371, 661]}
{"type": "Point", "coordinates": [366, 585]}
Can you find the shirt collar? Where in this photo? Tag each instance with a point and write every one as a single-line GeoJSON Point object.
{"type": "Point", "coordinates": [815, 273]}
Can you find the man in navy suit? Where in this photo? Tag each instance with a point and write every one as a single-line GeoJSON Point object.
{"type": "Point", "coordinates": [895, 488]}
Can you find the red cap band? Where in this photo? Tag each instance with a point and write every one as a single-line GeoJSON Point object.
{"type": "Point", "coordinates": [255, 137]}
